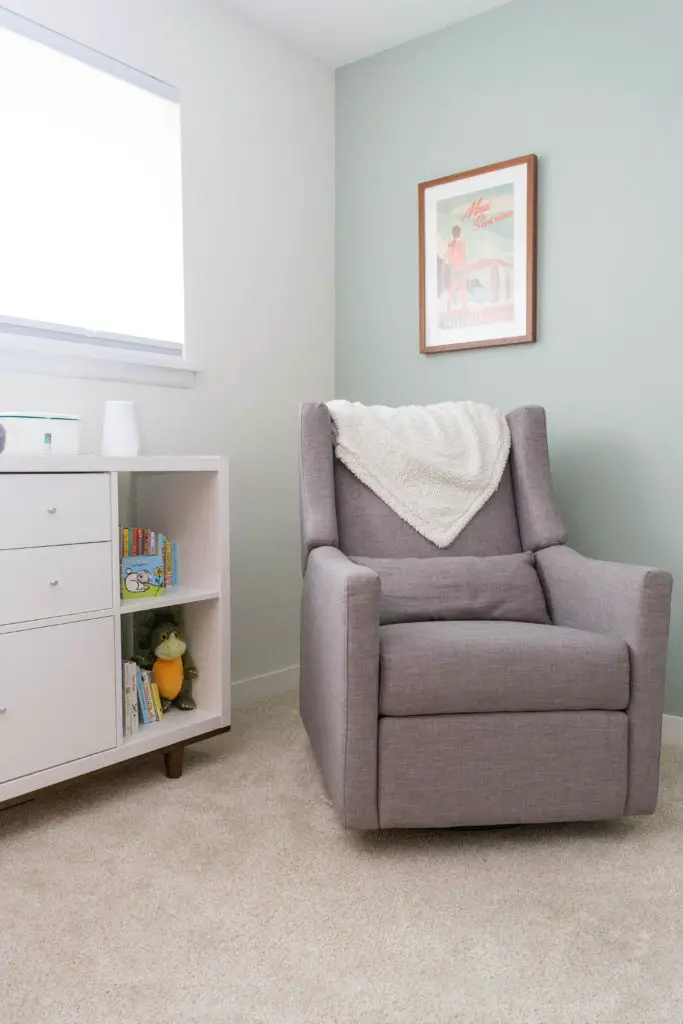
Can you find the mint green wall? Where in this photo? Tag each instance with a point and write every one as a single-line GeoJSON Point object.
{"type": "Point", "coordinates": [595, 88]}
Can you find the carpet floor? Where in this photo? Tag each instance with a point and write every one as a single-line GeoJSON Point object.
{"type": "Point", "coordinates": [232, 896]}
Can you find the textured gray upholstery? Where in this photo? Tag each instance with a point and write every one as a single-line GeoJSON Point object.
{"type": "Point", "coordinates": [441, 723]}
{"type": "Point", "coordinates": [632, 603]}
{"type": "Point", "coordinates": [445, 770]}
{"type": "Point", "coordinates": [453, 668]}
{"type": "Point", "coordinates": [540, 525]}
{"type": "Point", "coordinates": [340, 669]}
{"type": "Point", "coordinates": [502, 587]}
{"type": "Point", "coordinates": [316, 480]}
{"type": "Point", "coordinates": [370, 529]}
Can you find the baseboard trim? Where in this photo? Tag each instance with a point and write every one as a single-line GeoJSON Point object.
{"type": "Point", "coordinates": [672, 730]}
{"type": "Point", "coordinates": [272, 684]}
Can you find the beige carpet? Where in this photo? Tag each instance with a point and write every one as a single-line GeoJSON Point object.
{"type": "Point", "coordinates": [231, 896]}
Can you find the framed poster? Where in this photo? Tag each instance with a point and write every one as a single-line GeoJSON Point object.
{"type": "Point", "coordinates": [478, 257]}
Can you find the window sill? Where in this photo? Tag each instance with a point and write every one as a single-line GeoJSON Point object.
{"type": "Point", "coordinates": [66, 359]}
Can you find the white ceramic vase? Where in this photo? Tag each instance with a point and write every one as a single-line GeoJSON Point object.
{"type": "Point", "coordinates": [120, 430]}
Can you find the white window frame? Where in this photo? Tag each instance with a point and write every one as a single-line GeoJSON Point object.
{"type": "Point", "coordinates": [34, 346]}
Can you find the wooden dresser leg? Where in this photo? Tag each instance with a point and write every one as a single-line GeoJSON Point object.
{"type": "Point", "coordinates": [173, 760]}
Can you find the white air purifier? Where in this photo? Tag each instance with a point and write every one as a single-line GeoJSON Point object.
{"type": "Point", "coordinates": [41, 433]}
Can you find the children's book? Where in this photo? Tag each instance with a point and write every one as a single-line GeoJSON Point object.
{"type": "Point", "coordinates": [149, 695]}
{"type": "Point", "coordinates": [142, 576]}
{"type": "Point", "coordinates": [168, 562]}
{"type": "Point", "coordinates": [130, 699]}
{"type": "Point", "coordinates": [145, 684]}
{"type": "Point", "coordinates": [145, 717]}
{"type": "Point", "coordinates": [157, 700]}
{"type": "Point", "coordinates": [124, 699]}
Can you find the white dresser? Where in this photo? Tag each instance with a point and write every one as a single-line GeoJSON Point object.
{"type": "Point", "coordinates": [63, 625]}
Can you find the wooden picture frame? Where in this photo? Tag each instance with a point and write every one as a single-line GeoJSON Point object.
{"type": "Point", "coordinates": [477, 246]}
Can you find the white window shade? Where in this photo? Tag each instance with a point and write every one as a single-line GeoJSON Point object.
{"type": "Point", "coordinates": [90, 195]}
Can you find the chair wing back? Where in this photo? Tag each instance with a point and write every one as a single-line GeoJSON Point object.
{"type": "Point", "coordinates": [540, 524]}
{"type": "Point", "coordinates": [337, 510]}
{"type": "Point", "coordinates": [316, 480]}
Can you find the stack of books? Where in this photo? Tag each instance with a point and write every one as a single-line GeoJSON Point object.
{"type": "Point", "coordinates": [149, 563]}
{"type": "Point", "coordinates": [141, 701]}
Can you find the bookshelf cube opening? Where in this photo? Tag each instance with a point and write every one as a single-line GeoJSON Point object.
{"type": "Point", "coordinates": [201, 627]}
{"type": "Point", "coordinates": [182, 507]}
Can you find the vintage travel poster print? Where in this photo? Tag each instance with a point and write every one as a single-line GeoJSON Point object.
{"type": "Point", "coordinates": [478, 257]}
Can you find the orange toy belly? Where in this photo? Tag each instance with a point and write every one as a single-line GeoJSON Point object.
{"type": "Point", "coordinates": [168, 675]}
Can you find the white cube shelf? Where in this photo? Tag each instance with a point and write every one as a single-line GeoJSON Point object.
{"type": "Point", "coordinates": [60, 709]}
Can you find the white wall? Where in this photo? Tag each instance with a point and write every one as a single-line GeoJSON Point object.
{"type": "Point", "coordinates": [258, 192]}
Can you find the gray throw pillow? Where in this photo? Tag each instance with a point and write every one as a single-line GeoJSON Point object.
{"type": "Point", "coordinates": [504, 587]}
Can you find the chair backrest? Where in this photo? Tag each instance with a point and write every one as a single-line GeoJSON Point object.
{"type": "Point", "coordinates": [338, 510]}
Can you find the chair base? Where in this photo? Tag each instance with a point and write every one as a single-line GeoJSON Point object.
{"type": "Point", "coordinates": [438, 771]}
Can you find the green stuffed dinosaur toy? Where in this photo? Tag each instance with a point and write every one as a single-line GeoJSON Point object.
{"type": "Point", "coordinates": [162, 647]}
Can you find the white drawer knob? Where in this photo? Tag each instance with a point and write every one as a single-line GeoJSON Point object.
{"type": "Point", "coordinates": [53, 583]}
{"type": "Point", "coordinates": [2, 711]}
{"type": "Point", "coordinates": [51, 511]}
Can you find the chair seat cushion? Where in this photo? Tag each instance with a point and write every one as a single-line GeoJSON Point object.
{"type": "Point", "coordinates": [431, 668]}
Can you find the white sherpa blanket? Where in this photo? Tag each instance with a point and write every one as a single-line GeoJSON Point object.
{"type": "Point", "coordinates": [434, 465]}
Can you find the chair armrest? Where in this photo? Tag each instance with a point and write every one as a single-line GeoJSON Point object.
{"type": "Point", "coordinates": [339, 685]}
{"type": "Point", "coordinates": [633, 603]}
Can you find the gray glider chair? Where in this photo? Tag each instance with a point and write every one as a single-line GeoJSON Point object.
{"type": "Point", "coordinates": [464, 721]}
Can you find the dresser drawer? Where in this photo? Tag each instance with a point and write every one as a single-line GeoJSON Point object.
{"type": "Point", "coordinates": [38, 583]}
{"type": "Point", "coordinates": [57, 695]}
{"type": "Point", "coordinates": [38, 509]}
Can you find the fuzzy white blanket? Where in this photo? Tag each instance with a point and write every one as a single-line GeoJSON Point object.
{"type": "Point", "coordinates": [434, 465]}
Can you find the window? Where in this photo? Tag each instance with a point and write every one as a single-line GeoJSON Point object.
{"type": "Point", "coordinates": [90, 198]}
